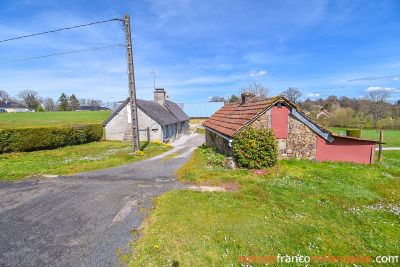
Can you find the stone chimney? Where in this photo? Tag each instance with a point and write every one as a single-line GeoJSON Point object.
{"type": "Point", "coordinates": [159, 96]}
{"type": "Point", "coordinates": [246, 97]}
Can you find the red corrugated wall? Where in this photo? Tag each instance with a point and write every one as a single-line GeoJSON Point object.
{"type": "Point", "coordinates": [345, 149]}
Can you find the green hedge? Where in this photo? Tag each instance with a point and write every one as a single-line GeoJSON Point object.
{"type": "Point", "coordinates": [255, 148]}
{"type": "Point", "coordinates": [40, 138]}
{"type": "Point", "coordinates": [353, 133]}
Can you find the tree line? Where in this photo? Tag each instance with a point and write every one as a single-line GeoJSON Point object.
{"type": "Point", "coordinates": [32, 100]}
{"type": "Point", "coordinates": [371, 111]}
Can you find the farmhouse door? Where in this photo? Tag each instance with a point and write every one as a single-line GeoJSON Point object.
{"type": "Point", "coordinates": [279, 121]}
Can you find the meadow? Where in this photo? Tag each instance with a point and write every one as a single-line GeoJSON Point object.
{"type": "Point", "coordinates": [60, 118]}
{"type": "Point", "coordinates": [298, 208]}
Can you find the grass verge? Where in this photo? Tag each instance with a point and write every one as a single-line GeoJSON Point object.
{"type": "Point", "coordinates": [73, 159]}
{"type": "Point", "coordinates": [391, 137]}
{"type": "Point", "coordinates": [300, 207]}
{"type": "Point", "coordinates": [201, 131]}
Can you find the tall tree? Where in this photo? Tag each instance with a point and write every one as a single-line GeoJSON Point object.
{"type": "Point", "coordinates": [30, 98]}
{"type": "Point", "coordinates": [378, 103]}
{"type": "Point", "coordinates": [73, 102]}
{"type": "Point", "coordinates": [234, 99]}
{"type": "Point", "coordinates": [63, 102]}
{"type": "Point", "coordinates": [4, 96]}
{"type": "Point", "coordinates": [292, 94]}
{"type": "Point", "coordinates": [261, 92]}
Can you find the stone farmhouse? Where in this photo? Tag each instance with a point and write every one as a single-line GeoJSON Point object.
{"type": "Point", "coordinates": [297, 134]}
{"type": "Point", "coordinates": [160, 120]}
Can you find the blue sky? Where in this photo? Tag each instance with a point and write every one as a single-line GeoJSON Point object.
{"type": "Point", "coordinates": [200, 49]}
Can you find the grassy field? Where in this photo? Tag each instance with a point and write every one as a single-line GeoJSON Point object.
{"type": "Point", "coordinates": [73, 159]}
{"type": "Point", "coordinates": [298, 208]}
{"type": "Point", "coordinates": [32, 119]}
{"type": "Point", "coordinates": [391, 137]}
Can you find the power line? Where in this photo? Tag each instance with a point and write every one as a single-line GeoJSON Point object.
{"type": "Point", "coordinates": [64, 53]}
{"type": "Point", "coordinates": [62, 29]}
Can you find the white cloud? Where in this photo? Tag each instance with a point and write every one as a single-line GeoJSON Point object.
{"type": "Point", "coordinates": [256, 74]}
{"type": "Point", "coordinates": [395, 79]}
{"type": "Point", "coordinates": [378, 88]}
{"type": "Point", "coordinates": [313, 95]}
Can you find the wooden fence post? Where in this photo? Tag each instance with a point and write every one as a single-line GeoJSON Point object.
{"type": "Point", "coordinates": [380, 146]}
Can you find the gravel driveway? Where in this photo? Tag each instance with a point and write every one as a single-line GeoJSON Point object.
{"type": "Point", "coordinates": [82, 220]}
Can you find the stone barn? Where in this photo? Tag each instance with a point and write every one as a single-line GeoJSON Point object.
{"type": "Point", "coordinates": [297, 134]}
{"type": "Point", "coordinates": [161, 120]}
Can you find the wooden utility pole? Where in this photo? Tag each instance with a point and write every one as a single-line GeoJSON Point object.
{"type": "Point", "coordinates": [380, 146]}
{"type": "Point", "coordinates": [132, 88]}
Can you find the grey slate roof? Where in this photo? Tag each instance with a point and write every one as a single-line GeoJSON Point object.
{"type": "Point", "coordinates": [169, 114]}
{"type": "Point", "coordinates": [11, 104]}
{"type": "Point", "coordinates": [91, 108]}
{"type": "Point", "coordinates": [176, 111]}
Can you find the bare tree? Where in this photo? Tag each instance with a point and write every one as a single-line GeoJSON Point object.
{"type": "Point", "coordinates": [82, 102]}
{"type": "Point", "coordinates": [217, 99]}
{"type": "Point", "coordinates": [95, 103]}
{"type": "Point", "coordinates": [111, 104]}
{"type": "Point", "coordinates": [261, 92]}
{"type": "Point", "coordinates": [378, 103]}
{"type": "Point", "coordinates": [4, 96]}
{"type": "Point", "coordinates": [292, 94]}
{"type": "Point", "coordinates": [49, 104]}
{"type": "Point", "coordinates": [30, 98]}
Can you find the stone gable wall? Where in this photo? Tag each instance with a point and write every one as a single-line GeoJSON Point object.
{"type": "Point", "coordinates": [119, 128]}
{"type": "Point", "coordinates": [301, 141]}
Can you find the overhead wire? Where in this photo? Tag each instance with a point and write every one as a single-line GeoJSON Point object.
{"type": "Point", "coordinates": [64, 53]}
{"type": "Point", "coordinates": [62, 29]}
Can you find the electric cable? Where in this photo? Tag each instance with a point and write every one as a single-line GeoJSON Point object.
{"type": "Point", "coordinates": [62, 29]}
{"type": "Point", "coordinates": [64, 53]}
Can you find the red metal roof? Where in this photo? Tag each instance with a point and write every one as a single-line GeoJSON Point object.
{"type": "Point", "coordinates": [353, 138]}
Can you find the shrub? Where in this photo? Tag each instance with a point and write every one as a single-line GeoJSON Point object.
{"type": "Point", "coordinates": [40, 138]}
{"type": "Point", "coordinates": [255, 148]}
{"type": "Point", "coordinates": [353, 133]}
{"type": "Point", "coordinates": [213, 157]}
{"type": "Point", "coordinates": [139, 153]}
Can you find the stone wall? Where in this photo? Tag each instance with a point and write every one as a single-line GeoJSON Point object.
{"type": "Point", "coordinates": [220, 144]}
{"type": "Point", "coordinates": [300, 143]}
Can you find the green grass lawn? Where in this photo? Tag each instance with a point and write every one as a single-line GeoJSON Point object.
{"type": "Point", "coordinates": [32, 119]}
{"type": "Point", "coordinates": [391, 137]}
{"type": "Point", "coordinates": [73, 159]}
{"type": "Point", "coordinates": [300, 207]}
